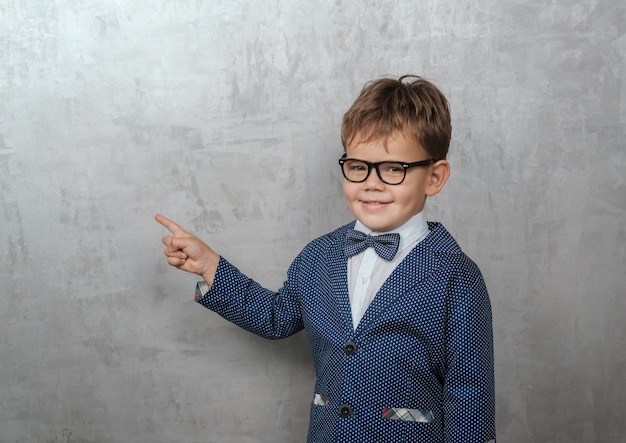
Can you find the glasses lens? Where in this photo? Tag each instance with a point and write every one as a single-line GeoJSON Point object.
{"type": "Point", "coordinates": [392, 173]}
{"type": "Point", "coordinates": [355, 170]}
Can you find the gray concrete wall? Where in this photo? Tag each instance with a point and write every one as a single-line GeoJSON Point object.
{"type": "Point", "coordinates": [224, 115]}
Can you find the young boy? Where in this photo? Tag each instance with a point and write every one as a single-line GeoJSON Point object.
{"type": "Point", "coordinates": [397, 317]}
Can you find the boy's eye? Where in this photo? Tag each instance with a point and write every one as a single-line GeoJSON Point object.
{"type": "Point", "coordinates": [356, 166]}
{"type": "Point", "coordinates": [392, 168]}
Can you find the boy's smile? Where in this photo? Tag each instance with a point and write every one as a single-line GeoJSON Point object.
{"type": "Point", "coordinates": [382, 207]}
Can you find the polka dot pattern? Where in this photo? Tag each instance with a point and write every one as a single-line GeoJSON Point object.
{"type": "Point", "coordinates": [424, 345]}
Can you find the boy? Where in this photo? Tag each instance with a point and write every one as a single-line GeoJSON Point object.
{"type": "Point", "coordinates": [398, 319]}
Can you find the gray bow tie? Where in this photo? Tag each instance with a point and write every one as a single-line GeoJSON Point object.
{"type": "Point", "coordinates": [385, 245]}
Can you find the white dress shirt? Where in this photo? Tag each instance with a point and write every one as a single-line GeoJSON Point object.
{"type": "Point", "coordinates": [367, 271]}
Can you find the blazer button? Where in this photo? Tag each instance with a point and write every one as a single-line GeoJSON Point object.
{"type": "Point", "coordinates": [349, 348]}
{"type": "Point", "coordinates": [345, 410]}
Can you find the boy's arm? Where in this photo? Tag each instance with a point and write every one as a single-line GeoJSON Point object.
{"type": "Point", "coordinates": [232, 294]}
{"type": "Point", "coordinates": [244, 302]}
{"type": "Point", "coordinates": [469, 394]}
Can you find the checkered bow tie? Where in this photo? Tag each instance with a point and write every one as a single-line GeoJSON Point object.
{"type": "Point", "coordinates": [385, 245]}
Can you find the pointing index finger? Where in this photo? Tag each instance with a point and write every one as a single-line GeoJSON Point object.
{"type": "Point", "coordinates": [170, 225]}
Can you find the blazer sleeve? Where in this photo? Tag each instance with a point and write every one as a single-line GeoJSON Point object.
{"type": "Point", "coordinates": [469, 393]}
{"type": "Point", "coordinates": [244, 302]}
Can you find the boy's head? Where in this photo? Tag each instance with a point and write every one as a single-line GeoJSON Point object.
{"type": "Point", "coordinates": [410, 105]}
{"type": "Point", "coordinates": [395, 138]}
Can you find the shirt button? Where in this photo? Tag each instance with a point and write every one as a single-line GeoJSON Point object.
{"type": "Point", "coordinates": [345, 410]}
{"type": "Point", "coordinates": [349, 348]}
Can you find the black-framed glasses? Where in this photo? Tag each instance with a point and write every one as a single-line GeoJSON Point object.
{"type": "Point", "coordinates": [389, 172]}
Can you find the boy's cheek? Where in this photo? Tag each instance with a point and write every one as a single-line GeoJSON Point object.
{"type": "Point", "coordinates": [349, 190]}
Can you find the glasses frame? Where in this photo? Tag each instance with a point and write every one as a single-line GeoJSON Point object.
{"type": "Point", "coordinates": [376, 165]}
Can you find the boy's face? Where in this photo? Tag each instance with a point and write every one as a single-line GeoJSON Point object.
{"type": "Point", "coordinates": [382, 207]}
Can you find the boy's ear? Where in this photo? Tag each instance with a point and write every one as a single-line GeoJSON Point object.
{"type": "Point", "coordinates": [439, 173]}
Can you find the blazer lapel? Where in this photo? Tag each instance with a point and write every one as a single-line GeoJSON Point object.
{"type": "Point", "coordinates": [416, 267]}
{"type": "Point", "coordinates": [338, 265]}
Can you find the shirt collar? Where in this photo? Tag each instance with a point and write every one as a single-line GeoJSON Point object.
{"type": "Point", "coordinates": [413, 230]}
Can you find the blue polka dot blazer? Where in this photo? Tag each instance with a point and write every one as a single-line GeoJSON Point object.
{"type": "Point", "coordinates": [419, 366]}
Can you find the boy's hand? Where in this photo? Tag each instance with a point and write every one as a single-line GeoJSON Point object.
{"type": "Point", "coordinates": [187, 252]}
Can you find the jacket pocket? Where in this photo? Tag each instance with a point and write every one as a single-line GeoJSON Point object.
{"type": "Point", "coordinates": [404, 414]}
{"type": "Point", "coordinates": [320, 400]}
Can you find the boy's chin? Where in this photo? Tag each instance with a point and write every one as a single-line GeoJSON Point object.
{"type": "Point", "coordinates": [380, 226]}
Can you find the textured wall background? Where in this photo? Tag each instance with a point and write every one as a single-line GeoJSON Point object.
{"type": "Point", "coordinates": [224, 115]}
